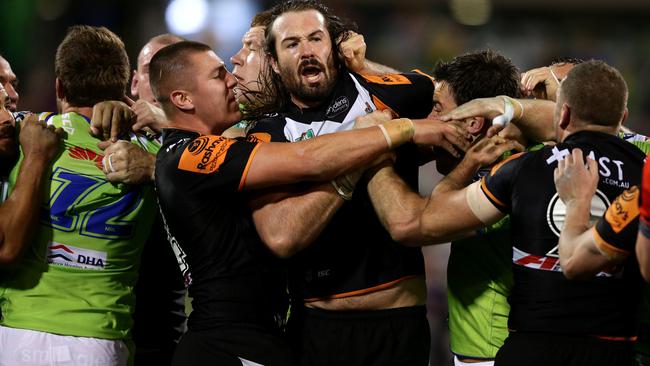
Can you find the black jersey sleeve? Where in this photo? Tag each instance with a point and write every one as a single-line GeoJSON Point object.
{"type": "Point", "coordinates": [497, 185]}
{"type": "Point", "coordinates": [409, 95]}
{"type": "Point", "coordinates": [269, 129]}
{"type": "Point", "coordinates": [616, 232]}
{"type": "Point", "coordinates": [213, 163]}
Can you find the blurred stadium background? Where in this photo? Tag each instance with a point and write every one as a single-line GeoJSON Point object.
{"type": "Point", "coordinates": [404, 34]}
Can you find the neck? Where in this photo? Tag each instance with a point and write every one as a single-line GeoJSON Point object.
{"type": "Point", "coordinates": [301, 104]}
{"type": "Point", "coordinates": [84, 111]}
{"type": "Point", "coordinates": [188, 123]}
{"type": "Point", "coordinates": [611, 130]}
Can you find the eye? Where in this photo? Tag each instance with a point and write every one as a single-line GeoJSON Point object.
{"type": "Point", "coordinates": [292, 45]}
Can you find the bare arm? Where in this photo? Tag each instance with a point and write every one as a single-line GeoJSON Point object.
{"type": "Point", "coordinates": [535, 120]}
{"type": "Point", "coordinates": [455, 210]}
{"type": "Point", "coordinates": [289, 219]}
{"type": "Point", "coordinates": [19, 213]}
{"type": "Point", "coordinates": [580, 256]}
{"type": "Point", "coordinates": [335, 154]}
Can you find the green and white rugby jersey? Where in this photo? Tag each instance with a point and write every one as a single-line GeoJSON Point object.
{"type": "Point", "coordinates": [77, 276]}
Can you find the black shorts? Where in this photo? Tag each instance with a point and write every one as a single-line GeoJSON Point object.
{"type": "Point", "coordinates": [362, 338]}
{"type": "Point", "coordinates": [229, 344]}
{"type": "Point", "coordinates": [546, 349]}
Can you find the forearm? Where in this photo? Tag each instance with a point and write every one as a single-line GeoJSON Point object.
{"type": "Point", "coordinates": [578, 256]}
{"type": "Point", "coordinates": [447, 215]}
{"type": "Point", "coordinates": [288, 222]}
{"type": "Point", "coordinates": [398, 208]}
{"type": "Point", "coordinates": [20, 212]}
{"type": "Point", "coordinates": [373, 68]}
{"type": "Point", "coordinates": [536, 122]}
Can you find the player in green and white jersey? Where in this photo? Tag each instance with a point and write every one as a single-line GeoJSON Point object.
{"type": "Point", "coordinates": [70, 299]}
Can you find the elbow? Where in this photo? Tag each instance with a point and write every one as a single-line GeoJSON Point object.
{"type": "Point", "coordinates": [8, 257]}
{"type": "Point", "coordinates": [430, 231]}
{"type": "Point", "coordinates": [281, 245]}
{"type": "Point", "coordinates": [572, 271]}
{"type": "Point", "coordinates": [404, 232]}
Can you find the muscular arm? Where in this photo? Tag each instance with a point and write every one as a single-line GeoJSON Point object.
{"type": "Point", "coordinates": [290, 218]}
{"type": "Point", "coordinates": [19, 213]}
{"type": "Point", "coordinates": [398, 208]}
{"type": "Point", "coordinates": [535, 121]}
{"type": "Point", "coordinates": [455, 210]}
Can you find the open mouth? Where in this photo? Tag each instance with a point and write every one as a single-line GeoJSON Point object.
{"type": "Point", "coordinates": [311, 73]}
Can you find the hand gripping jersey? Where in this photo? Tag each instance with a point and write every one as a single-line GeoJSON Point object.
{"type": "Point", "coordinates": [77, 276]}
{"type": "Point", "coordinates": [354, 254]}
{"type": "Point", "coordinates": [542, 299]}
{"type": "Point", "coordinates": [232, 276]}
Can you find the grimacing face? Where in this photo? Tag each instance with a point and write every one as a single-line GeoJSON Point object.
{"type": "Point", "coordinates": [212, 93]}
{"type": "Point", "coordinates": [248, 63]}
{"type": "Point", "coordinates": [9, 82]}
{"type": "Point", "coordinates": [305, 60]}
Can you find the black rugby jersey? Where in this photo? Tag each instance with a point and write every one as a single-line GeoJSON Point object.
{"type": "Point", "coordinates": [230, 273]}
{"type": "Point", "coordinates": [354, 253]}
{"type": "Point", "coordinates": [542, 299]}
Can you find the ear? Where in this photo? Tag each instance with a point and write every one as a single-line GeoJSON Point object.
{"type": "Point", "coordinates": [134, 83]}
{"type": "Point", "coordinates": [274, 65]}
{"type": "Point", "coordinates": [565, 116]}
{"type": "Point", "coordinates": [181, 100]}
{"type": "Point", "coordinates": [58, 87]}
{"type": "Point", "coordinates": [625, 113]}
{"type": "Point", "coordinates": [475, 125]}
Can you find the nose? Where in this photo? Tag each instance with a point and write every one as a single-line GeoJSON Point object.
{"type": "Point", "coordinates": [306, 50]}
{"type": "Point", "coordinates": [236, 59]}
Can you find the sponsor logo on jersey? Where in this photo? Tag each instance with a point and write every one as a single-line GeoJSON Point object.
{"type": "Point", "coordinates": [610, 170]}
{"type": "Point", "coordinates": [306, 135]}
{"type": "Point", "coordinates": [548, 263]}
{"type": "Point", "coordinates": [556, 211]}
{"type": "Point", "coordinates": [205, 155]}
{"type": "Point", "coordinates": [340, 105]}
{"type": "Point", "coordinates": [86, 154]}
{"type": "Point", "coordinates": [259, 137]}
{"type": "Point", "coordinates": [75, 257]}
{"type": "Point", "coordinates": [624, 210]}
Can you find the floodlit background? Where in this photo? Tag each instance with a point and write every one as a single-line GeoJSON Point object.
{"type": "Point", "coordinates": [404, 34]}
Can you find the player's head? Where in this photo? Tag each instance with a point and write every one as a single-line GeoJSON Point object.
{"type": "Point", "coordinates": [9, 82]}
{"type": "Point", "coordinates": [8, 143]}
{"type": "Point", "coordinates": [189, 80]}
{"type": "Point", "coordinates": [302, 39]}
{"type": "Point", "coordinates": [593, 95]}
{"type": "Point", "coordinates": [140, 83]}
{"type": "Point", "coordinates": [91, 66]}
{"type": "Point", "coordinates": [473, 75]}
{"type": "Point", "coordinates": [250, 60]}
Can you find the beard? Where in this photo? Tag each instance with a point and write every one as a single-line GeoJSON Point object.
{"type": "Point", "coordinates": [312, 92]}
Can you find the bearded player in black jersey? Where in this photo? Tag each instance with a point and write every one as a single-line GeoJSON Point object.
{"type": "Point", "coordinates": [554, 320]}
{"type": "Point", "coordinates": [353, 288]}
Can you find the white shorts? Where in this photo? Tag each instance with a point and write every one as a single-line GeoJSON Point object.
{"type": "Point", "coordinates": [24, 347]}
{"type": "Point", "coordinates": [458, 362]}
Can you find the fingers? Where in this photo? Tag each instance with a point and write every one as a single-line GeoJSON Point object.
{"type": "Point", "coordinates": [106, 125]}
{"type": "Point", "coordinates": [130, 102]}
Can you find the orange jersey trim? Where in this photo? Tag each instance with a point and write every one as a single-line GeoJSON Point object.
{"type": "Point", "coordinates": [605, 246]}
{"type": "Point", "coordinates": [242, 182]}
{"type": "Point", "coordinates": [361, 292]}
{"type": "Point", "coordinates": [489, 194]}
{"type": "Point", "coordinates": [511, 157]}
{"type": "Point", "coordinates": [417, 71]}
{"type": "Point", "coordinates": [387, 79]}
{"type": "Point", "coordinates": [382, 106]}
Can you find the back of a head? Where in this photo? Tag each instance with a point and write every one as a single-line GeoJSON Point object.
{"type": "Point", "coordinates": [595, 92]}
{"type": "Point", "coordinates": [479, 75]}
{"type": "Point", "coordinates": [92, 66]}
{"type": "Point", "coordinates": [171, 69]}
{"type": "Point", "coordinates": [262, 19]}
